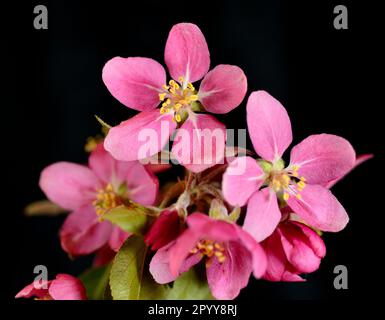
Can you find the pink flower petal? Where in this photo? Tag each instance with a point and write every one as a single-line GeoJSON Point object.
{"type": "Point", "coordinates": [160, 267]}
{"type": "Point", "coordinates": [276, 258]}
{"type": "Point", "coordinates": [223, 89]}
{"type": "Point", "coordinates": [135, 82]}
{"type": "Point", "coordinates": [66, 287]}
{"type": "Point", "coordinates": [68, 184]}
{"type": "Point", "coordinates": [319, 208]}
{"type": "Point", "coordinates": [198, 220]}
{"type": "Point", "coordinates": [312, 239]}
{"type": "Point", "coordinates": [244, 174]}
{"type": "Point", "coordinates": [360, 159]}
{"type": "Point", "coordinates": [38, 289]}
{"type": "Point", "coordinates": [82, 233]}
{"type": "Point", "coordinates": [117, 238]}
{"type": "Point", "coordinates": [269, 125]}
{"type": "Point", "coordinates": [298, 253]}
{"type": "Point", "coordinates": [263, 214]}
{"type": "Point", "coordinates": [164, 230]}
{"type": "Point", "coordinates": [259, 259]}
{"type": "Point", "coordinates": [142, 186]}
{"type": "Point", "coordinates": [203, 227]}
{"type": "Point", "coordinates": [228, 278]}
{"type": "Point", "coordinates": [180, 251]}
{"type": "Point", "coordinates": [157, 168]}
{"type": "Point", "coordinates": [186, 53]}
{"type": "Point", "coordinates": [200, 142]}
{"type": "Point", "coordinates": [102, 163]}
{"type": "Point", "coordinates": [322, 158]}
{"type": "Point", "coordinates": [103, 256]}
{"type": "Point", "coordinates": [291, 277]}
{"type": "Point", "coordinates": [140, 137]}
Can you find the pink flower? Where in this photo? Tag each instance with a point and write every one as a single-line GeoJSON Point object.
{"type": "Point", "coordinates": [140, 84]}
{"type": "Point", "coordinates": [231, 255]}
{"type": "Point", "coordinates": [91, 191]}
{"type": "Point", "coordinates": [293, 248]}
{"type": "Point", "coordinates": [315, 162]}
{"type": "Point", "coordinates": [165, 229]}
{"type": "Point", "coordinates": [64, 287]}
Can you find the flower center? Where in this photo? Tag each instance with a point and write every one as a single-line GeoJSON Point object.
{"type": "Point", "coordinates": [106, 199]}
{"type": "Point", "coordinates": [177, 98]}
{"type": "Point", "coordinates": [210, 249]}
{"type": "Point", "coordinates": [286, 182]}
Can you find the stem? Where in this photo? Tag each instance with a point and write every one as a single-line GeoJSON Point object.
{"type": "Point", "coordinates": [174, 191]}
{"type": "Point", "coordinates": [213, 173]}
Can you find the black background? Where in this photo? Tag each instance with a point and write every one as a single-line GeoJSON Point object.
{"type": "Point", "coordinates": [326, 79]}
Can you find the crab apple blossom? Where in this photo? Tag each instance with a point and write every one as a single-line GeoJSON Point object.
{"type": "Point", "coordinates": [266, 183]}
{"type": "Point", "coordinates": [63, 287]}
{"type": "Point", "coordinates": [140, 84]}
{"type": "Point", "coordinates": [89, 192]}
{"type": "Point", "coordinates": [292, 249]}
{"type": "Point", "coordinates": [231, 255]}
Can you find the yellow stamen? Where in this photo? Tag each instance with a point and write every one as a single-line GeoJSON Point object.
{"type": "Point", "coordinates": [301, 184]}
{"type": "Point", "coordinates": [178, 118]}
{"type": "Point", "coordinates": [91, 144]}
{"type": "Point", "coordinates": [106, 199]}
{"type": "Point", "coordinates": [286, 179]}
{"type": "Point", "coordinates": [302, 179]}
{"type": "Point", "coordinates": [177, 97]}
{"type": "Point", "coordinates": [162, 96]}
{"type": "Point", "coordinates": [276, 185]}
{"type": "Point", "coordinates": [174, 84]}
{"type": "Point", "coordinates": [218, 246]}
{"type": "Point", "coordinates": [210, 249]}
{"type": "Point", "coordinates": [286, 196]}
{"type": "Point", "coordinates": [298, 196]}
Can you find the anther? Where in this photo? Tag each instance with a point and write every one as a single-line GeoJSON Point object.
{"type": "Point", "coordinates": [162, 96]}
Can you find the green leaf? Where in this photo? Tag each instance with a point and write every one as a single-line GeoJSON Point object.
{"type": "Point", "coordinates": [127, 270]}
{"type": "Point", "coordinates": [151, 290]}
{"type": "Point", "coordinates": [130, 219]}
{"type": "Point", "coordinates": [190, 286]}
{"type": "Point", "coordinates": [95, 281]}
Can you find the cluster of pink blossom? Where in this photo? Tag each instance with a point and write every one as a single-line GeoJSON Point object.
{"type": "Point", "coordinates": [239, 214]}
